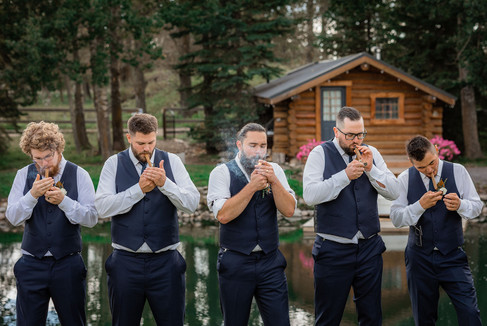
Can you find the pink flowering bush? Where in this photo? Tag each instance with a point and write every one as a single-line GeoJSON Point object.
{"type": "Point", "coordinates": [447, 149]}
{"type": "Point", "coordinates": [306, 149]}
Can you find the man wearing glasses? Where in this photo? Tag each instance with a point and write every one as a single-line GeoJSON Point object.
{"type": "Point", "coordinates": [53, 197]}
{"type": "Point", "coordinates": [343, 177]}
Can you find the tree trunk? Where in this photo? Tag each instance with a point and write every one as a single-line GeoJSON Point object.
{"type": "Point", "coordinates": [184, 76]}
{"type": "Point", "coordinates": [117, 123]}
{"type": "Point", "coordinates": [310, 36]}
{"type": "Point", "coordinates": [100, 103]}
{"type": "Point", "coordinates": [469, 118]}
{"type": "Point", "coordinates": [102, 118]}
{"type": "Point", "coordinates": [67, 83]}
{"type": "Point", "coordinates": [139, 88]}
{"type": "Point", "coordinates": [87, 90]}
{"type": "Point", "coordinates": [79, 117]}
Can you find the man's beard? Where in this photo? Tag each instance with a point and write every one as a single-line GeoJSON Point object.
{"type": "Point", "coordinates": [249, 163]}
{"type": "Point", "coordinates": [141, 156]}
{"type": "Point", "coordinates": [349, 151]}
{"type": "Point", "coordinates": [53, 170]}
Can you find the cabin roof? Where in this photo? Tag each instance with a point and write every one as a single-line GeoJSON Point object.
{"type": "Point", "coordinates": [310, 75]}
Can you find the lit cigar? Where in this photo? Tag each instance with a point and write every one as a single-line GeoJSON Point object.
{"type": "Point", "coordinates": [147, 158]}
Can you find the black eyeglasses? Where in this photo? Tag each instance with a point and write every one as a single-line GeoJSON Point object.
{"type": "Point", "coordinates": [351, 136]}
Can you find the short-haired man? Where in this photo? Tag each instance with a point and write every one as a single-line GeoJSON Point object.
{"type": "Point", "coordinates": [141, 189]}
{"type": "Point", "coordinates": [347, 250]}
{"type": "Point", "coordinates": [53, 197]}
{"type": "Point", "coordinates": [434, 254]}
{"type": "Point", "coordinates": [245, 194]}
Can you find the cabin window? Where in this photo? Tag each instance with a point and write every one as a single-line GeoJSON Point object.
{"type": "Point", "coordinates": [387, 108]}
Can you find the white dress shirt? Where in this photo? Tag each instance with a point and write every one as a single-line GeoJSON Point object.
{"type": "Point", "coordinates": [219, 184]}
{"type": "Point", "coordinates": [182, 192]}
{"type": "Point", "coordinates": [82, 211]}
{"type": "Point", "coordinates": [403, 214]}
{"type": "Point", "coordinates": [317, 191]}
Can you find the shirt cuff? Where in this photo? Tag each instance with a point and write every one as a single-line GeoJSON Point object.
{"type": "Point", "coordinates": [168, 187]}
{"type": "Point", "coordinates": [342, 178]}
{"type": "Point", "coordinates": [66, 204]}
{"type": "Point", "coordinates": [30, 201]}
{"type": "Point", "coordinates": [417, 210]}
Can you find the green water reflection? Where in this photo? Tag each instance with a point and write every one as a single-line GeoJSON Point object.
{"type": "Point", "coordinates": [200, 248]}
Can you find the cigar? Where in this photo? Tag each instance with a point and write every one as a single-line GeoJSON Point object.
{"type": "Point", "coordinates": [359, 156]}
{"type": "Point", "coordinates": [147, 158]}
{"type": "Point", "coordinates": [434, 182]}
{"type": "Point", "coordinates": [357, 152]}
{"type": "Point", "coordinates": [46, 173]}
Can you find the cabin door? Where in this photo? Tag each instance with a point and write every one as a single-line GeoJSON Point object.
{"type": "Point", "coordinates": [332, 100]}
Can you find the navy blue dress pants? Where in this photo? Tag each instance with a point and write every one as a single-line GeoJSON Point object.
{"type": "Point", "coordinates": [39, 280]}
{"type": "Point", "coordinates": [339, 267]}
{"type": "Point", "coordinates": [242, 277]}
{"type": "Point", "coordinates": [159, 278]}
{"type": "Point", "coordinates": [426, 272]}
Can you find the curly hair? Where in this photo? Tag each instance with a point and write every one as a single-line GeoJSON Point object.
{"type": "Point", "coordinates": [42, 136]}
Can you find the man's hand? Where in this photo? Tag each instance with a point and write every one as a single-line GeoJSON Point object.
{"type": "Point", "coordinates": [156, 174]}
{"type": "Point", "coordinates": [54, 196]}
{"type": "Point", "coordinates": [258, 181]}
{"type": "Point", "coordinates": [39, 187]}
{"type": "Point", "coordinates": [354, 170]}
{"type": "Point", "coordinates": [265, 168]}
{"type": "Point", "coordinates": [430, 198]}
{"type": "Point", "coordinates": [367, 157]}
{"type": "Point", "coordinates": [145, 184]}
{"type": "Point", "coordinates": [452, 201]}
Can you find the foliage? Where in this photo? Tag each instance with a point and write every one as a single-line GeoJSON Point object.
{"type": "Point", "coordinates": [305, 149]}
{"type": "Point", "coordinates": [447, 149]}
{"type": "Point", "coordinates": [233, 42]}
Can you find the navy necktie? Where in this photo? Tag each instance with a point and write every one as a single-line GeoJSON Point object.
{"type": "Point", "coordinates": [144, 165]}
{"type": "Point", "coordinates": [431, 187]}
{"type": "Point", "coordinates": [350, 158]}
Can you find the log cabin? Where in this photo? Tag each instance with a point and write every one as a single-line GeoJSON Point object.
{"type": "Point", "coordinates": [395, 105]}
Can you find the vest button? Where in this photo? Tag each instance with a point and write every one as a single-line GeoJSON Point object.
{"type": "Point", "coordinates": [145, 198]}
{"type": "Point", "coordinates": [48, 234]}
{"type": "Point", "coordinates": [49, 210]}
{"type": "Point", "coordinates": [145, 236]}
{"type": "Point", "coordinates": [49, 222]}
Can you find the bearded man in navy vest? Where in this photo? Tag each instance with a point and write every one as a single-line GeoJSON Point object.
{"type": "Point", "coordinates": [245, 195]}
{"type": "Point", "coordinates": [141, 189]}
{"type": "Point", "coordinates": [348, 250]}
{"type": "Point", "coordinates": [434, 254]}
{"type": "Point", "coordinates": [53, 197]}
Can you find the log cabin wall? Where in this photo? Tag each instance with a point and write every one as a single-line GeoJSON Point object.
{"type": "Point", "coordinates": [422, 115]}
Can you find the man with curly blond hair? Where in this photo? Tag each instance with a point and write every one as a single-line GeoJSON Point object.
{"type": "Point", "coordinates": [52, 197]}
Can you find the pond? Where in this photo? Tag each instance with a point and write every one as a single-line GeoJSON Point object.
{"type": "Point", "coordinates": [200, 248]}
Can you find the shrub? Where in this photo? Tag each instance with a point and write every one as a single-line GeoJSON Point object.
{"type": "Point", "coordinates": [447, 149]}
{"type": "Point", "coordinates": [306, 149]}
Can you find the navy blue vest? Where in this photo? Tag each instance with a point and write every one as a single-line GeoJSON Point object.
{"type": "Point", "coordinates": [441, 228]}
{"type": "Point", "coordinates": [354, 209]}
{"type": "Point", "coordinates": [256, 225]}
{"type": "Point", "coordinates": [48, 229]}
{"type": "Point", "coordinates": [153, 219]}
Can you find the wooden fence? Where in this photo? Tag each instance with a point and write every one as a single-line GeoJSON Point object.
{"type": "Point", "coordinates": [174, 120]}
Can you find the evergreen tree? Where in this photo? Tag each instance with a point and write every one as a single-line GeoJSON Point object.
{"type": "Point", "coordinates": [234, 46]}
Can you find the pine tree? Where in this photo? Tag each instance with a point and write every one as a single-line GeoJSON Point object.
{"type": "Point", "coordinates": [234, 46]}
